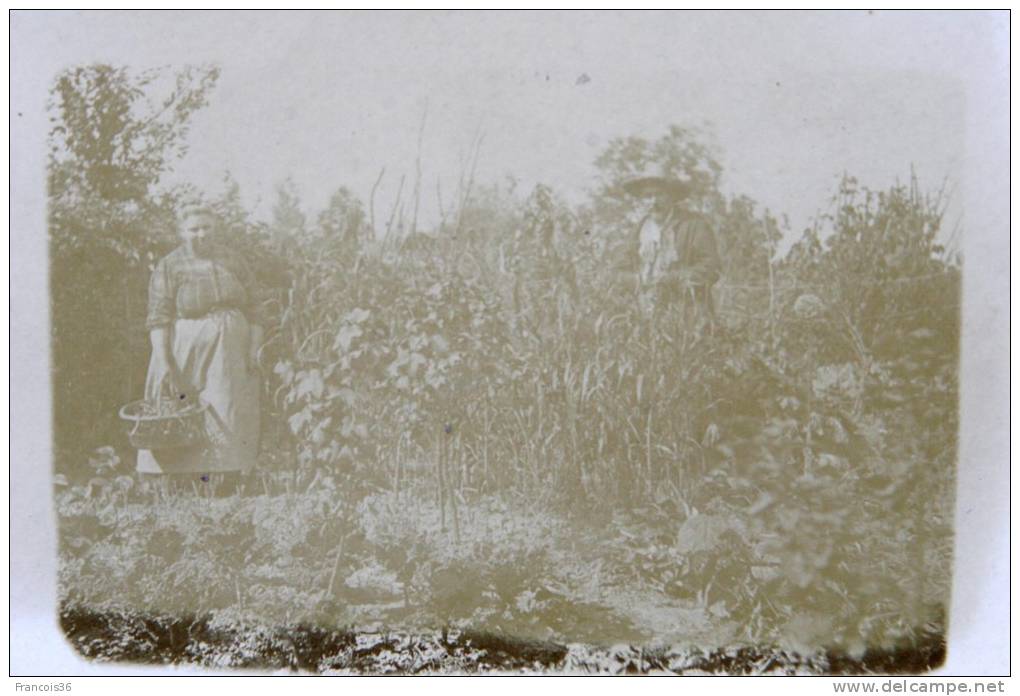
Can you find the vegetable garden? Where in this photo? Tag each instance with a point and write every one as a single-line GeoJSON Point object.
{"type": "Point", "coordinates": [487, 445]}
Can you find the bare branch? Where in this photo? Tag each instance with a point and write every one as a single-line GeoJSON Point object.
{"type": "Point", "coordinates": [371, 201]}
{"type": "Point", "coordinates": [466, 193]}
{"type": "Point", "coordinates": [417, 169]}
{"type": "Point", "coordinates": [393, 211]}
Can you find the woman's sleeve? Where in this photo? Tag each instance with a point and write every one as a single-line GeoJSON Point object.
{"type": "Point", "coordinates": [162, 297]}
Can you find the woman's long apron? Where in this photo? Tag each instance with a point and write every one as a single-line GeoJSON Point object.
{"type": "Point", "coordinates": [211, 354]}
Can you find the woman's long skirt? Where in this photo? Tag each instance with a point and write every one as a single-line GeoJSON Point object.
{"type": "Point", "coordinates": [211, 354]}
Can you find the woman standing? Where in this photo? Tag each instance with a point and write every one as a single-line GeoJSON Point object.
{"type": "Point", "coordinates": [205, 338]}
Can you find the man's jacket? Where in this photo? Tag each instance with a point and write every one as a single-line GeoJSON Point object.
{"type": "Point", "coordinates": [697, 260]}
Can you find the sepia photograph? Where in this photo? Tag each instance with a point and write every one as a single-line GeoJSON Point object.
{"type": "Point", "coordinates": [455, 342]}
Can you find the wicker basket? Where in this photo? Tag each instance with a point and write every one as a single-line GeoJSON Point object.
{"type": "Point", "coordinates": [165, 424]}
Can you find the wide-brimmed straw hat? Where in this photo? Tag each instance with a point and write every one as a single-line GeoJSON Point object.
{"type": "Point", "coordinates": [652, 186]}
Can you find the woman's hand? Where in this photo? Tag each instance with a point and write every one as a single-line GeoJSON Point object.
{"type": "Point", "coordinates": [164, 364]}
{"type": "Point", "coordinates": [179, 387]}
{"type": "Point", "coordinates": [173, 383]}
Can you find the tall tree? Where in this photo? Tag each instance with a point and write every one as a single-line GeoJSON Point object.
{"type": "Point", "coordinates": [288, 217]}
{"type": "Point", "coordinates": [115, 134]}
{"type": "Point", "coordinates": [343, 220]}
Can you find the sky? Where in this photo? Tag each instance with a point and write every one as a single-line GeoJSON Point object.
{"type": "Point", "coordinates": [790, 101]}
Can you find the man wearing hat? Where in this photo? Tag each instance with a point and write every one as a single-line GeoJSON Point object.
{"type": "Point", "coordinates": [692, 265]}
